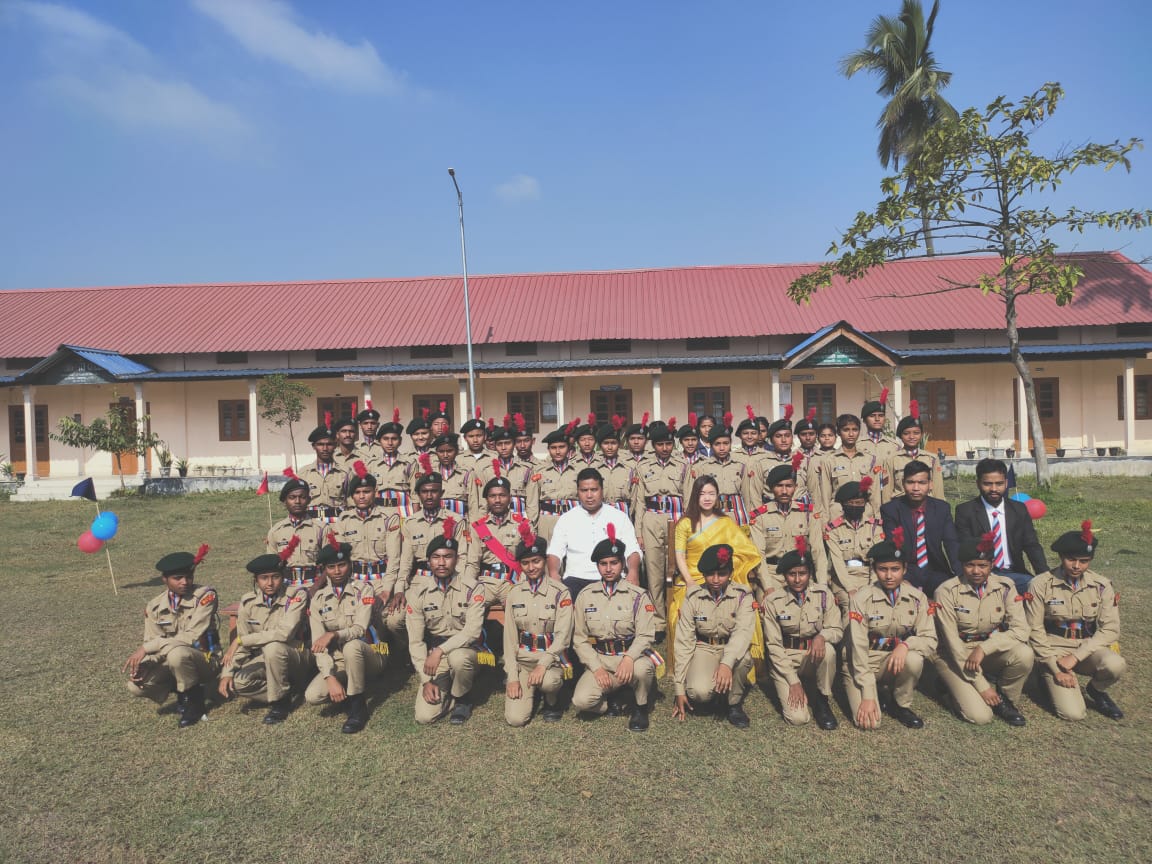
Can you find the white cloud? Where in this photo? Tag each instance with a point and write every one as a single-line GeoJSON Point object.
{"type": "Point", "coordinates": [103, 69]}
{"type": "Point", "coordinates": [268, 29]}
{"type": "Point", "coordinates": [522, 187]}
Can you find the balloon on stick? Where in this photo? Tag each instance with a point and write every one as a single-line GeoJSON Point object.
{"type": "Point", "coordinates": [105, 525]}
{"type": "Point", "coordinates": [1036, 508]}
{"type": "Point", "coordinates": [1022, 497]}
{"type": "Point", "coordinates": [89, 544]}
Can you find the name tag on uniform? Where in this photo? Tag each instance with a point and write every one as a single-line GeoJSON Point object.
{"type": "Point", "coordinates": [876, 617]}
{"type": "Point", "coordinates": [253, 621]}
{"type": "Point", "coordinates": [519, 605]}
{"type": "Point", "coordinates": [550, 606]}
{"type": "Point", "coordinates": [854, 562]}
{"type": "Point", "coordinates": [962, 609]}
{"type": "Point", "coordinates": [1055, 602]}
{"type": "Point", "coordinates": [590, 609]}
{"type": "Point", "coordinates": [430, 608]}
{"type": "Point", "coordinates": [773, 527]}
{"type": "Point", "coordinates": [699, 617]}
{"type": "Point", "coordinates": [783, 617]}
{"type": "Point", "coordinates": [839, 468]}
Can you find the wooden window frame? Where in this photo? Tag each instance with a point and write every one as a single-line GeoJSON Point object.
{"type": "Point", "coordinates": [805, 403]}
{"type": "Point", "coordinates": [707, 392]}
{"type": "Point", "coordinates": [235, 410]}
{"type": "Point", "coordinates": [1146, 381]}
{"type": "Point", "coordinates": [531, 418]}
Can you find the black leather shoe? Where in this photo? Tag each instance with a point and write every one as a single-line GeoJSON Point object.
{"type": "Point", "coordinates": [357, 714]}
{"type": "Point", "coordinates": [1104, 703]}
{"type": "Point", "coordinates": [278, 711]}
{"type": "Point", "coordinates": [460, 713]}
{"type": "Point", "coordinates": [822, 712]}
{"type": "Point", "coordinates": [615, 708]}
{"type": "Point", "coordinates": [737, 717]}
{"type": "Point", "coordinates": [908, 717]}
{"type": "Point", "coordinates": [193, 711]}
{"type": "Point", "coordinates": [638, 722]}
{"type": "Point", "coordinates": [181, 703]}
{"type": "Point", "coordinates": [551, 713]}
{"type": "Point", "coordinates": [1008, 712]}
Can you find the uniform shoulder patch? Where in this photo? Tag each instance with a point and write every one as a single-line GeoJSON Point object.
{"type": "Point", "coordinates": [368, 600]}
{"type": "Point", "coordinates": [1116, 599]}
{"type": "Point", "coordinates": [478, 598]}
{"type": "Point", "coordinates": [932, 607]}
{"type": "Point", "coordinates": [567, 601]}
{"type": "Point", "coordinates": [409, 610]}
{"type": "Point", "coordinates": [1027, 595]}
{"type": "Point", "coordinates": [855, 616]}
{"type": "Point", "coordinates": [755, 606]}
{"type": "Point", "coordinates": [1019, 598]}
{"type": "Point", "coordinates": [209, 598]}
{"type": "Point", "coordinates": [535, 476]}
{"type": "Point", "coordinates": [648, 607]}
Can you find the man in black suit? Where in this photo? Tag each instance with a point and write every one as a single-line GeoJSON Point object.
{"type": "Point", "coordinates": [933, 556]}
{"type": "Point", "coordinates": [1018, 540]}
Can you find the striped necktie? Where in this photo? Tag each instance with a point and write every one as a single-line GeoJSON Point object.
{"type": "Point", "coordinates": [998, 540]}
{"type": "Point", "coordinates": [921, 541]}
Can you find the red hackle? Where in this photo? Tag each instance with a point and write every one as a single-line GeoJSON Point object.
{"type": "Point", "coordinates": [987, 543]}
{"type": "Point", "coordinates": [723, 556]}
{"type": "Point", "coordinates": [617, 422]}
{"type": "Point", "coordinates": [425, 461]}
{"type": "Point", "coordinates": [728, 418]}
{"type": "Point", "coordinates": [395, 415]}
{"type": "Point", "coordinates": [287, 551]}
{"type": "Point", "coordinates": [898, 536]}
{"type": "Point", "coordinates": [811, 416]}
{"type": "Point", "coordinates": [367, 404]}
{"type": "Point", "coordinates": [571, 427]}
{"type": "Point", "coordinates": [479, 411]}
{"type": "Point", "coordinates": [332, 541]}
{"type": "Point", "coordinates": [914, 409]}
{"type": "Point", "coordinates": [449, 528]}
{"type": "Point", "coordinates": [424, 414]}
{"type": "Point", "coordinates": [883, 400]}
{"type": "Point", "coordinates": [644, 419]}
{"type": "Point", "coordinates": [611, 533]}
{"type": "Point", "coordinates": [507, 421]}
{"type": "Point", "coordinates": [327, 419]}
{"type": "Point", "coordinates": [443, 407]}
{"type": "Point", "coordinates": [290, 474]}
{"type": "Point", "coordinates": [521, 423]}
{"type": "Point", "coordinates": [797, 460]}
{"type": "Point", "coordinates": [491, 425]}
{"type": "Point", "coordinates": [360, 468]}
{"type": "Point", "coordinates": [693, 420]}
{"type": "Point", "coordinates": [802, 545]}
{"type": "Point", "coordinates": [865, 484]}
{"type": "Point", "coordinates": [789, 410]}
{"type": "Point", "coordinates": [1086, 532]}
{"type": "Point", "coordinates": [354, 411]}
{"type": "Point", "coordinates": [526, 534]}
{"type": "Point", "coordinates": [496, 467]}
{"type": "Point", "coordinates": [751, 413]}
{"type": "Point", "coordinates": [672, 423]}
{"type": "Point", "coordinates": [591, 418]}
{"type": "Point", "coordinates": [200, 553]}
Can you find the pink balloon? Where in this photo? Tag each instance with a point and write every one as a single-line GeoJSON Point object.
{"type": "Point", "coordinates": [89, 543]}
{"type": "Point", "coordinates": [1036, 507]}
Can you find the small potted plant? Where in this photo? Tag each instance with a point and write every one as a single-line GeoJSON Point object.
{"type": "Point", "coordinates": [1100, 451]}
{"type": "Point", "coordinates": [1010, 452]}
{"type": "Point", "coordinates": [182, 467]}
{"type": "Point", "coordinates": [164, 457]}
{"type": "Point", "coordinates": [1060, 451]}
{"type": "Point", "coordinates": [1115, 451]}
{"type": "Point", "coordinates": [970, 453]}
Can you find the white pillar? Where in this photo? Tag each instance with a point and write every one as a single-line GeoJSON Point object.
{"type": "Point", "coordinates": [30, 472]}
{"type": "Point", "coordinates": [1129, 406]}
{"type": "Point", "coordinates": [141, 462]}
{"type": "Point", "coordinates": [898, 392]}
{"type": "Point", "coordinates": [560, 415]}
{"type": "Point", "coordinates": [368, 394]}
{"type": "Point", "coordinates": [1022, 416]}
{"type": "Point", "coordinates": [463, 414]}
{"type": "Point", "coordinates": [656, 412]}
{"type": "Point", "coordinates": [253, 425]}
{"type": "Point", "coordinates": [773, 411]}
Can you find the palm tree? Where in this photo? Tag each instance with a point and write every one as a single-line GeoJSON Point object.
{"type": "Point", "coordinates": [898, 51]}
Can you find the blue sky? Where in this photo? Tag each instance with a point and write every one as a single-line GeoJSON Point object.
{"type": "Point", "coordinates": [168, 141]}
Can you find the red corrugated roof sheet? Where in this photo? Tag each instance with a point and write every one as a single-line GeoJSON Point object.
{"type": "Point", "coordinates": [679, 303]}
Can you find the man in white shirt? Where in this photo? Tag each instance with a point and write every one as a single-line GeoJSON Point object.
{"type": "Point", "coordinates": [579, 530]}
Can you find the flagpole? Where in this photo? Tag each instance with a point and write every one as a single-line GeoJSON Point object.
{"type": "Point", "coordinates": [107, 554]}
{"type": "Point", "coordinates": [269, 500]}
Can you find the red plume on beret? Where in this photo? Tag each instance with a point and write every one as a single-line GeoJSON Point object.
{"type": "Point", "coordinates": [672, 423]}
{"type": "Point", "coordinates": [443, 407]}
{"type": "Point", "coordinates": [987, 543]}
{"type": "Point", "coordinates": [692, 419]}
{"type": "Point", "coordinates": [367, 404]}
{"type": "Point", "coordinates": [914, 409]}
{"type": "Point", "coordinates": [526, 534]}
{"type": "Point", "coordinates": [571, 427]}
{"type": "Point", "coordinates": [507, 421]}
{"type": "Point", "coordinates": [797, 460]}
{"type": "Point", "coordinates": [287, 551]}
{"type": "Point", "coordinates": [496, 466]}
{"type": "Point", "coordinates": [723, 556]}
{"type": "Point", "coordinates": [644, 419]}
{"type": "Point", "coordinates": [728, 418]}
{"type": "Point", "coordinates": [425, 463]}
{"type": "Point", "coordinates": [491, 424]}
{"type": "Point", "coordinates": [1086, 532]}
{"type": "Point", "coordinates": [617, 422]}
{"type": "Point", "coordinates": [883, 400]}
{"type": "Point", "coordinates": [354, 411]}
{"type": "Point", "coordinates": [521, 423]}
{"type": "Point", "coordinates": [865, 484]}
{"type": "Point", "coordinates": [591, 418]}
{"type": "Point", "coordinates": [478, 412]}
{"type": "Point", "coordinates": [200, 553]}
{"type": "Point", "coordinates": [811, 414]}
{"type": "Point", "coordinates": [611, 533]}
{"type": "Point", "coordinates": [898, 536]}
{"type": "Point", "coordinates": [802, 544]}
{"type": "Point", "coordinates": [395, 415]}
{"type": "Point", "coordinates": [327, 419]}
{"type": "Point", "coordinates": [290, 474]}
{"type": "Point", "coordinates": [423, 413]}
{"type": "Point", "coordinates": [449, 528]}
{"type": "Point", "coordinates": [360, 468]}
{"type": "Point", "coordinates": [332, 541]}
{"type": "Point", "coordinates": [751, 413]}
{"type": "Point", "coordinates": [789, 411]}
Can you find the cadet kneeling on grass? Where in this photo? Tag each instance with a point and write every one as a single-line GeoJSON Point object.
{"type": "Point", "coordinates": [889, 638]}
{"type": "Point", "coordinates": [983, 632]}
{"type": "Point", "coordinates": [341, 618]}
{"type": "Point", "coordinates": [269, 654]}
{"type": "Point", "coordinates": [181, 645]}
{"type": "Point", "coordinates": [713, 640]}
{"type": "Point", "coordinates": [1075, 618]}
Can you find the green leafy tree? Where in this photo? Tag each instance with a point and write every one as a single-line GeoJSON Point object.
{"type": "Point", "coordinates": [281, 403]}
{"type": "Point", "coordinates": [114, 433]}
{"type": "Point", "coordinates": [973, 184]}
{"type": "Point", "coordinates": [898, 50]}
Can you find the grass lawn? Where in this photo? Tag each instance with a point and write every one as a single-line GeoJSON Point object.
{"type": "Point", "coordinates": [92, 775]}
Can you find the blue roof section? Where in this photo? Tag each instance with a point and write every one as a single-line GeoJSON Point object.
{"type": "Point", "coordinates": [997, 352]}
{"type": "Point", "coordinates": [824, 332]}
{"type": "Point", "coordinates": [812, 340]}
{"type": "Point", "coordinates": [111, 362]}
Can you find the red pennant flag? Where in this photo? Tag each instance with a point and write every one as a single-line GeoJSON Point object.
{"type": "Point", "coordinates": [263, 488]}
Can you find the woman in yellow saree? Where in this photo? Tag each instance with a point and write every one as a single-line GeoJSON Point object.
{"type": "Point", "coordinates": [705, 524]}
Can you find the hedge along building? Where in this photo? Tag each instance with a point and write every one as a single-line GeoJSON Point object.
{"type": "Point", "coordinates": [558, 345]}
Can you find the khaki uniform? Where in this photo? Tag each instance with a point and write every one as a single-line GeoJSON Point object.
{"type": "Point", "coordinates": [327, 489]}
{"type": "Point", "coordinates": [774, 533]}
{"type": "Point", "coordinates": [658, 502]}
{"type": "Point", "coordinates": [345, 461]}
{"type": "Point", "coordinates": [181, 644]}
{"type": "Point", "coordinates": [730, 475]}
{"type": "Point", "coordinates": [271, 654]}
{"type": "Point", "coordinates": [894, 468]}
{"type": "Point", "coordinates": [367, 452]}
{"type": "Point", "coordinates": [375, 542]}
{"type": "Point", "coordinates": [790, 624]}
{"type": "Point", "coordinates": [883, 449]}
{"type": "Point", "coordinates": [519, 477]}
{"type": "Point", "coordinates": [449, 617]}
{"type": "Point", "coordinates": [393, 480]}
{"type": "Point", "coordinates": [710, 632]}
{"type": "Point", "coordinates": [302, 563]}
{"type": "Point", "coordinates": [460, 492]}
{"type": "Point", "coordinates": [350, 656]}
{"type": "Point", "coordinates": [1083, 621]}
{"type": "Point", "coordinates": [834, 469]}
{"type": "Point", "coordinates": [416, 532]}
{"type": "Point", "coordinates": [756, 491]}
{"type": "Point", "coordinates": [994, 622]}
{"type": "Point", "coordinates": [538, 623]}
{"type": "Point", "coordinates": [617, 485]}
{"type": "Point", "coordinates": [804, 473]}
{"type": "Point", "coordinates": [875, 628]}
{"type": "Point", "coordinates": [609, 627]}
{"type": "Point", "coordinates": [848, 546]}
{"type": "Point", "coordinates": [482, 565]}
{"type": "Point", "coordinates": [474, 461]}
{"type": "Point", "coordinates": [554, 489]}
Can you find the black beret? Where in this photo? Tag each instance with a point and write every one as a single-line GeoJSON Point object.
{"type": "Point", "coordinates": [291, 486]}
{"type": "Point", "coordinates": [320, 432]}
{"type": "Point", "coordinates": [330, 554]}
{"type": "Point", "coordinates": [1077, 544]}
{"type": "Point", "coordinates": [719, 431]}
{"type": "Point", "coordinates": [501, 433]}
{"type": "Point", "coordinates": [779, 426]}
{"type": "Point", "coordinates": [441, 542]}
{"type": "Point", "coordinates": [447, 438]}
{"type": "Point", "coordinates": [176, 562]}
{"type": "Point", "coordinates": [538, 547]}
{"type": "Point", "coordinates": [435, 478]}
{"type": "Point", "coordinates": [367, 414]}
{"type": "Point", "coordinates": [416, 424]}
{"type": "Point", "coordinates": [972, 549]}
{"type": "Point", "coordinates": [779, 474]}
{"type": "Point", "coordinates": [608, 549]}
{"type": "Point", "coordinates": [472, 425]}
{"type": "Point", "coordinates": [908, 422]}
{"type": "Point", "coordinates": [265, 564]}
{"type": "Point", "coordinates": [715, 559]}
{"type": "Point", "coordinates": [394, 428]}
{"type": "Point", "coordinates": [885, 551]}
{"type": "Point", "coordinates": [658, 431]}
{"type": "Point", "coordinates": [497, 483]}
{"type": "Point", "coordinates": [342, 422]}
{"type": "Point", "coordinates": [556, 436]}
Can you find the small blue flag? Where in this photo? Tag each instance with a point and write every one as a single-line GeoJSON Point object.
{"type": "Point", "coordinates": [1011, 477]}
{"type": "Point", "coordinates": [85, 489]}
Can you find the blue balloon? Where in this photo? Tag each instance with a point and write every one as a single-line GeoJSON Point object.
{"type": "Point", "coordinates": [105, 526]}
{"type": "Point", "coordinates": [1015, 496]}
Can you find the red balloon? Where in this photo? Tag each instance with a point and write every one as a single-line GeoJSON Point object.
{"type": "Point", "coordinates": [89, 543]}
{"type": "Point", "coordinates": [1036, 507]}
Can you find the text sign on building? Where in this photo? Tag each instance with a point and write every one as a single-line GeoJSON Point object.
{"type": "Point", "coordinates": [75, 372]}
